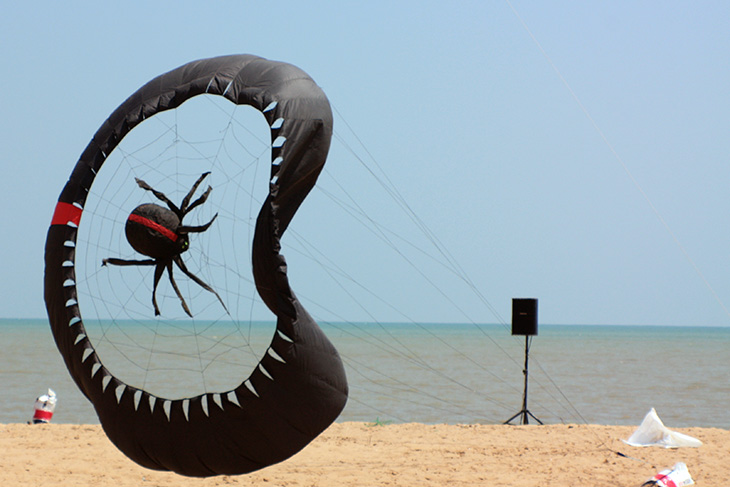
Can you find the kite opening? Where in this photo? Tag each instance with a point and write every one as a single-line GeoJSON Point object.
{"type": "Point", "coordinates": [176, 356]}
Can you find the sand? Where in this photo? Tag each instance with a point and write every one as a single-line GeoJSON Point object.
{"type": "Point", "coordinates": [360, 454]}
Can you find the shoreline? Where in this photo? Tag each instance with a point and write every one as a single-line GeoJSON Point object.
{"type": "Point", "coordinates": [368, 454]}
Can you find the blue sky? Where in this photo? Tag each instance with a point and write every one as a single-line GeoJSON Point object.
{"type": "Point", "coordinates": [464, 113]}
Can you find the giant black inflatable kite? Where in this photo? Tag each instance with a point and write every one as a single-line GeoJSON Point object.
{"type": "Point", "coordinates": [299, 386]}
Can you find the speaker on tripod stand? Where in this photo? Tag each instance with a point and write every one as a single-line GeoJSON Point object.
{"type": "Point", "coordinates": [524, 323]}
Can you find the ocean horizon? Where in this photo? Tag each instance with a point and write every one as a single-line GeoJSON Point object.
{"type": "Point", "coordinates": [405, 372]}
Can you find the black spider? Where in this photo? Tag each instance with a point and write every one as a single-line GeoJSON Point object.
{"type": "Point", "coordinates": [159, 233]}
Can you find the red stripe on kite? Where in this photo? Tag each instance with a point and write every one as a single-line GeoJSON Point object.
{"type": "Point", "coordinates": [66, 213]}
{"type": "Point", "coordinates": [154, 226]}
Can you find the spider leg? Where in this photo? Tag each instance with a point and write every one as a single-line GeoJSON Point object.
{"type": "Point", "coordinates": [184, 206]}
{"type": "Point", "coordinates": [114, 261]}
{"type": "Point", "coordinates": [186, 229]}
{"type": "Point", "coordinates": [199, 201]}
{"type": "Point", "coordinates": [158, 274]}
{"type": "Point", "coordinates": [195, 278]}
{"type": "Point", "coordinates": [177, 291]}
{"type": "Point", "coordinates": [160, 196]}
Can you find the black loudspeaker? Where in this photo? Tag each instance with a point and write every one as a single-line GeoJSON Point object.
{"type": "Point", "coordinates": [524, 316]}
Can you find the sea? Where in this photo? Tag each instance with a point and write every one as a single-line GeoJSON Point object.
{"type": "Point", "coordinates": [405, 372]}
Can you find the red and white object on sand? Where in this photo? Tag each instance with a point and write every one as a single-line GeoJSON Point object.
{"type": "Point", "coordinates": [44, 407]}
{"type": "Point", "coordinates": [677, 476]}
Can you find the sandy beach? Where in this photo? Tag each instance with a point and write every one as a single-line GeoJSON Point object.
{"type": "Point", "coordinates": [362, 454]}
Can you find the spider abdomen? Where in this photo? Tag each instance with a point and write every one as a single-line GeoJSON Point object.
{"type": "Point", "coordinates": [152, 230]}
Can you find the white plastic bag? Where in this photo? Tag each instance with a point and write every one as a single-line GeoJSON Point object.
{"type": "Point", "coordinates": [652, 432]}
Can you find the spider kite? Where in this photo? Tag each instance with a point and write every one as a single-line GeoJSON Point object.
{"type": "Point", "coordinates": [158, 232]}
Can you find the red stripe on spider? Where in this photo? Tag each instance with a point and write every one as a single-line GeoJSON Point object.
{"type": "Point", "coordinates": [154, 226]}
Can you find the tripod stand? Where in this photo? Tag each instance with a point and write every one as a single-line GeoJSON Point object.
{"type": "Point", "coordinates": [524, 413]}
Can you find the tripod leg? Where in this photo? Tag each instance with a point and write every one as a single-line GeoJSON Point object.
{"type": "Point", "coordinates": [513, 417]}
{"type": "Point", "coordinates": [532, 416]}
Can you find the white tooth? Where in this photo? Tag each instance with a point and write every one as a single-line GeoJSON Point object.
{"type": "Point", "coordinates": [120, 391]}
{"type": "Point", "coordinates": [275, 355]}
{"type": "Point", "coordinates": [186, 408]}
{"type": "Point", "coordinates": [204, 404]}
{"type": "Point", "coordinates": [281, 334]}
{"type": "Point", "coordinates": [265, 372]}
{"type": "Point", "coordinates": [233, 398]}
{"type": "Point", "coordinates": [227, 88]}
{"type": "Point", "coordinates": [105, 382]}
{"type": "Point", "coordinates": [166, 405]}
{"type": "Point", "coordinates": [251, 388]}
{"type": "Point", "coordinates": [217, 399]}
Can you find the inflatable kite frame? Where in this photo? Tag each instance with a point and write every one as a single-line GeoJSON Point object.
{"type": "Point", "coordinates": [299, 386]}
